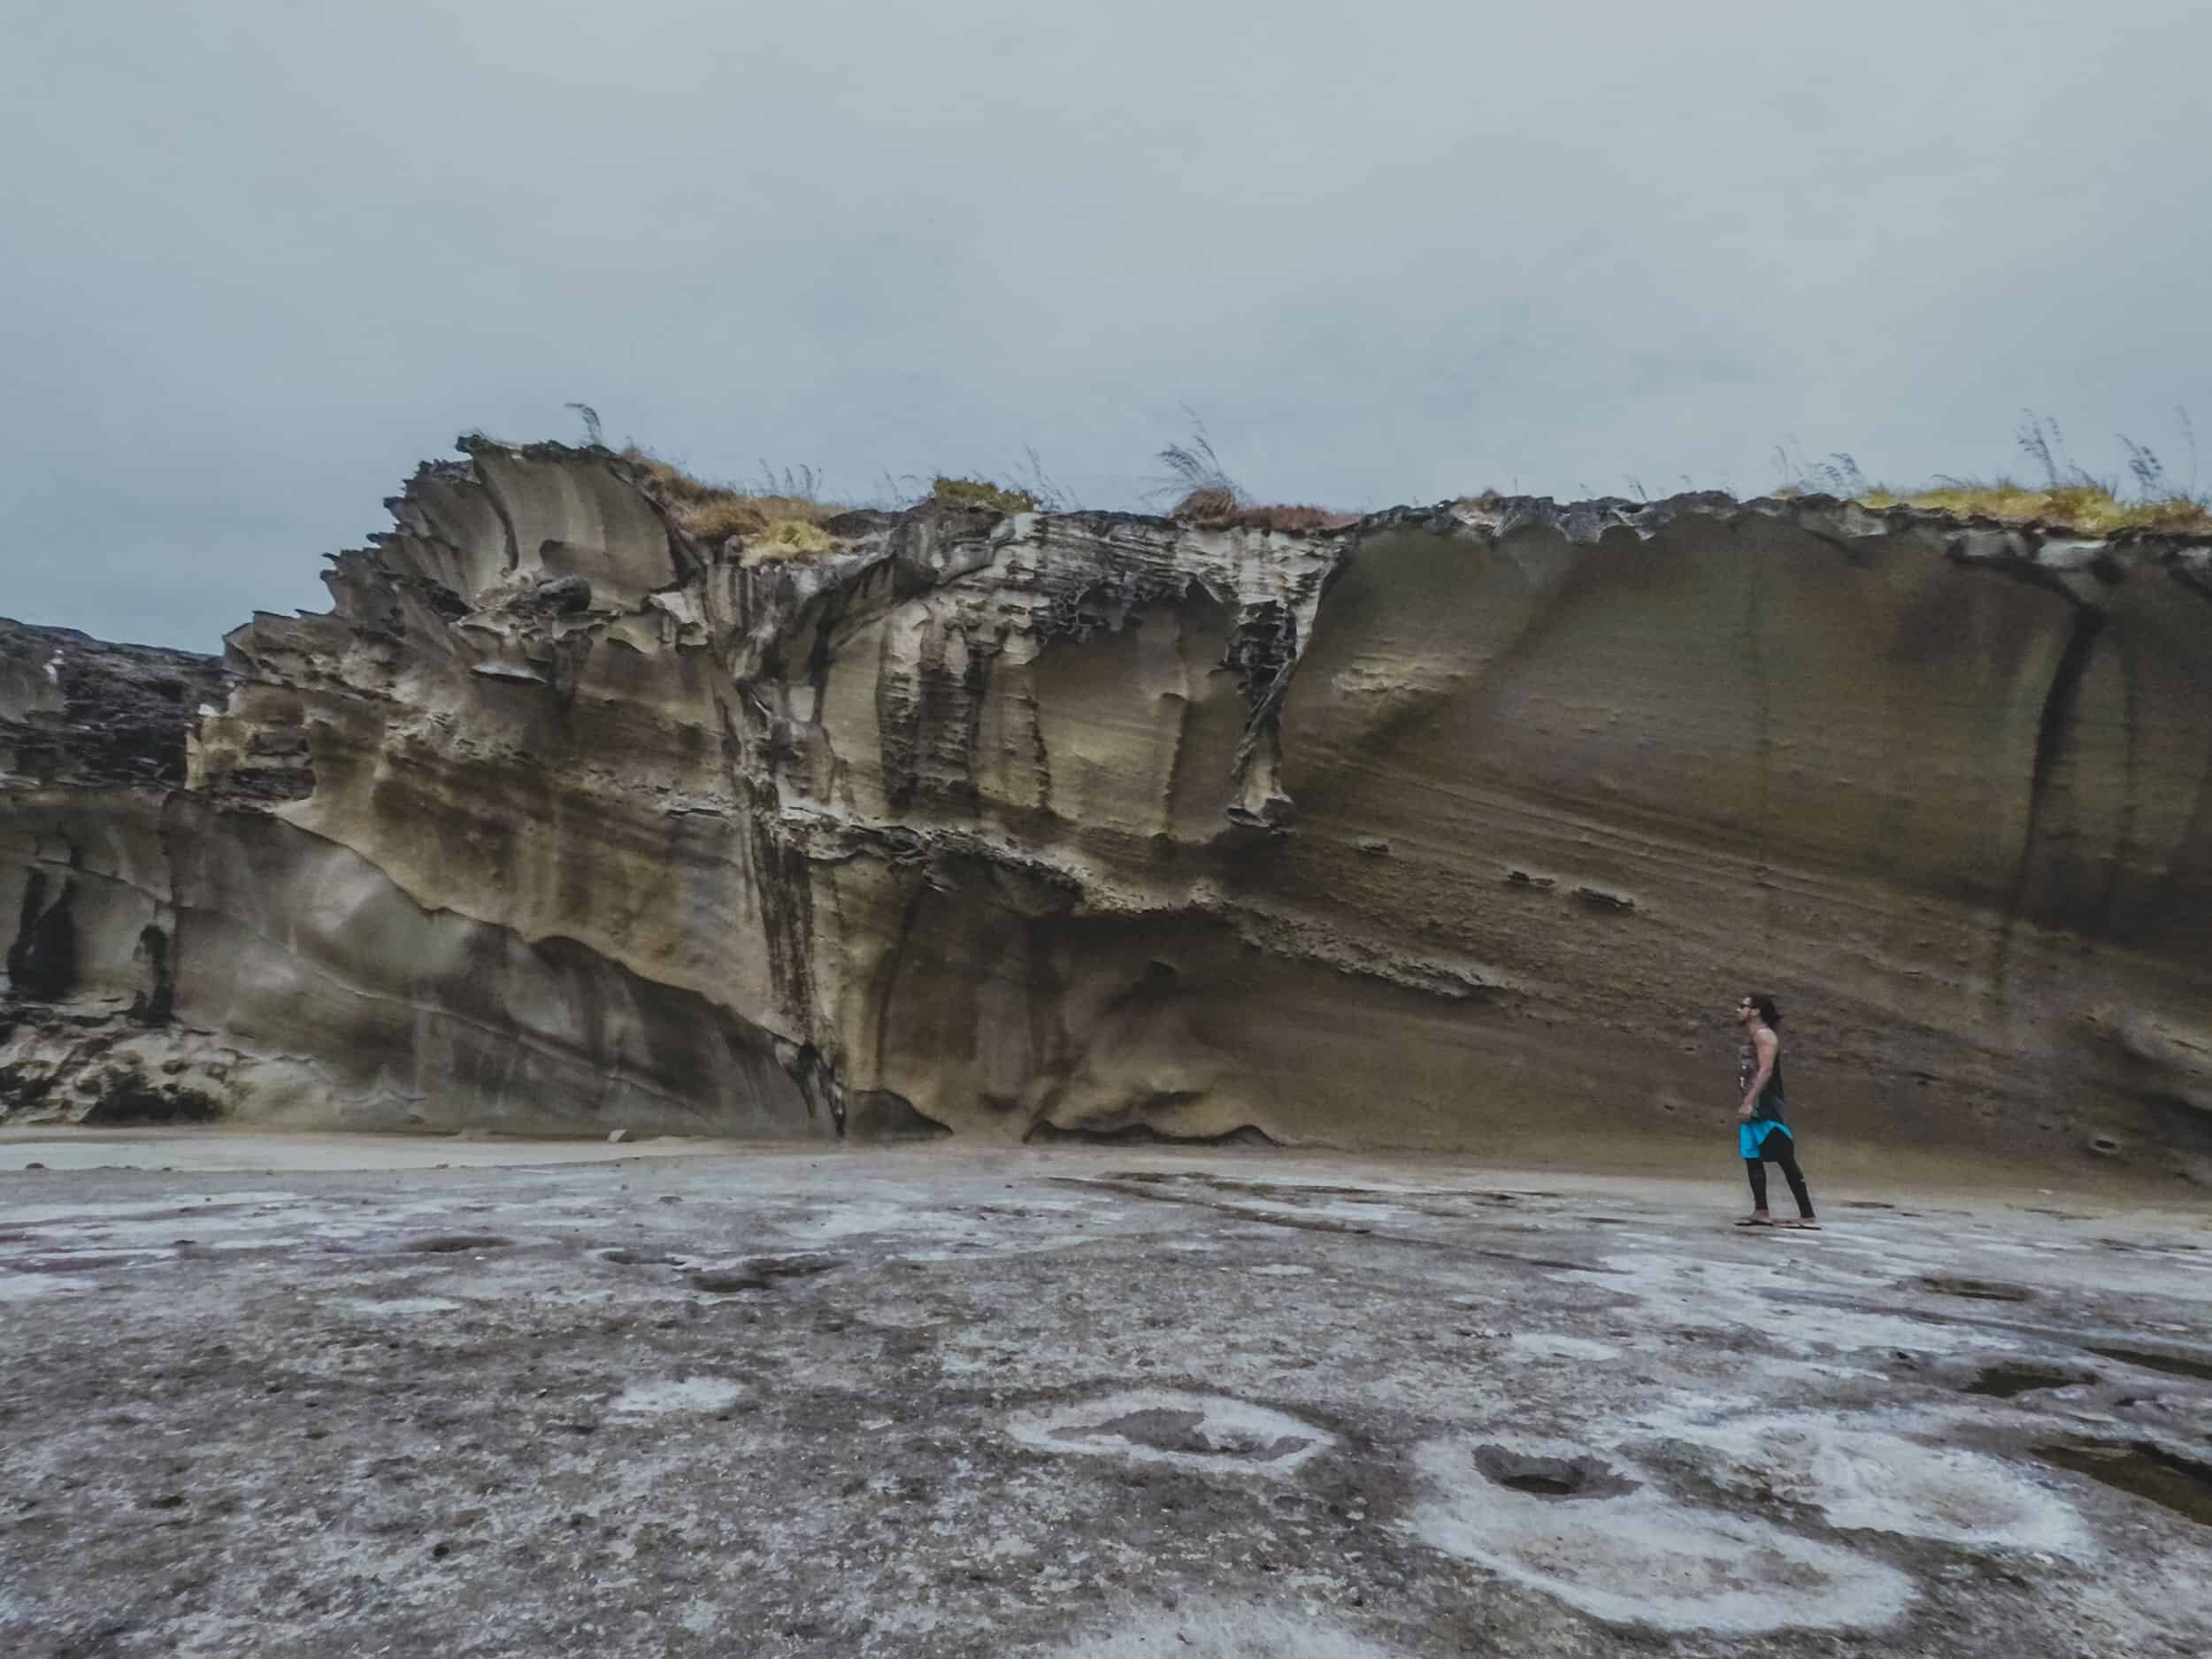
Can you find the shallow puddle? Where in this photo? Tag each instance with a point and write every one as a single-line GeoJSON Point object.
{"type": "Point", "coordinates": [454, 1243]}
{"type": "Point", "coordinates": [762, 1272]}
{"type": "Point", "coordinates": [72, 1264]}
{"type": "Point", "coordinates": [2008, 1380]}
{"type": "Point", "coordinates": [2172, 1365]}
{"type": "Point", "coordinates": [1974, 1289]}
{"type": "Point", "coordinates": [1211, 1433]}
{"type": "Point", "coordinates": [2142, 1469]}
{"type": "Point", "coordinates": [1541, 1477]}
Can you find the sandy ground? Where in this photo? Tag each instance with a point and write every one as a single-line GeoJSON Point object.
{"type": "Point", "coordinates": [276, 1395]}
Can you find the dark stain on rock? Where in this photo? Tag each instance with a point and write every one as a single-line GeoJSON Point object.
{"type": "Point", "coordinates": [42, 962]}
{"type": "Point", "coordinates": [156, 996]}
{"type": "Point", "coordinates": [819, 1085]}
{"type": "Point", "coordinates": [2060, 908]}
{"type": "Point", "coordinates": [784, 882]}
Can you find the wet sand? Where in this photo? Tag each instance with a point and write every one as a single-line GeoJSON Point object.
{"type": "Point", "coordinates": [207, 1151]}
{"type": "Point", "coordinates": [1624, 1161]}
{"type": "Point", "coordinates": [293, 1395]}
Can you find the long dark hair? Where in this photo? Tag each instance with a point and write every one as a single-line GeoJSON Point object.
{"type": "Point", "coordinates": [1769, 1010]}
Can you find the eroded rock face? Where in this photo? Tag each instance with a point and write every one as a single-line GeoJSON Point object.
{"type": "Point", "coordinates": [1459, 827]}
{"type": "Point", "coordinates": [74, 709]}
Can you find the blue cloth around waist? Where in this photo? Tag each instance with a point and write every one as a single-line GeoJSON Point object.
{"type": "Point", "coordinates": [1752, 1133]}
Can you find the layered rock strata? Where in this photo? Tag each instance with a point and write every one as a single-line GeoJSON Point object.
{"type": "Point", "coordinates": [1459, 827]}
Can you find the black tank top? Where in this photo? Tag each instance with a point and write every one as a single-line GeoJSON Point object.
{"type": "Point", "coordinates": [1771, 1101]}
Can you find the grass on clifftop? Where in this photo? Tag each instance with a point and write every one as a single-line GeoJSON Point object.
{"type": "Point", "coordinates": [980, 492]}
{"type": "Point", "coordinates": [785, 518]}
{"type": "Point", "coordinates": [2070, 496]}
{"type": "Point", "coordinates": [1207, 496]}
{"type": "Point", "coordinates": [2091, 507]}
{"type": "Point", "coordinates": [782, 521]}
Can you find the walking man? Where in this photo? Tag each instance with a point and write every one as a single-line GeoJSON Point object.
{"type": "Point", "coordinates": [1761, 1135]}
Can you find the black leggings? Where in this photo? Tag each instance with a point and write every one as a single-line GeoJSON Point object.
{"type": "Point", "coordinates": [1778, 1149]}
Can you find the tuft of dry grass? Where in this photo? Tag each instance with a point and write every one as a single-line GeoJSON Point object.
{"type": "Point", "coordinates": [1208, 504]}
{"type": "Point", "coordinates": [1296, 520]}
{"type": "Point", "coordinates": [789, 515]}
{"type": "Point", "coordinates": [1209, 495]}
{"type": "Point", "coordinates": [789, 538]}
{"type": "Point", "coordinates": [1211, 498]}
{"type": "Point", "coordinates": [1217, 510]}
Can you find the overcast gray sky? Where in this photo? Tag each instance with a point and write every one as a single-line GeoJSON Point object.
{"type": "Point", "coordinates": [259, 256]}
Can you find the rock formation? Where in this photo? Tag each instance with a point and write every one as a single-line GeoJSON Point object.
{"type": "Point", "coordinates": [1458, 826]}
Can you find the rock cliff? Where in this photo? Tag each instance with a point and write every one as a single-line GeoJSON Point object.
{"type": "Point", "coordinates": [1456, 826]}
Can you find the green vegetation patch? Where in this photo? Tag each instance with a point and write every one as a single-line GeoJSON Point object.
{"type": "Point", "coordinates": [980, 492]}
{"type": "Point", "coordinates": [2070, 497]}
{"type": "Point", "coordinates": [2090, 507]}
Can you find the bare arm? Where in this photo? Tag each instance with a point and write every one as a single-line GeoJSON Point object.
{"type": "Point", "coordinates": [1768, 1045]}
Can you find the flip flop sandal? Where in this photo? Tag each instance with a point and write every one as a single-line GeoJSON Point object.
{"type": "Point", "coordinates": [1799, 1226]}
{"type": "Point", "coordinates": [1750, 1222]}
